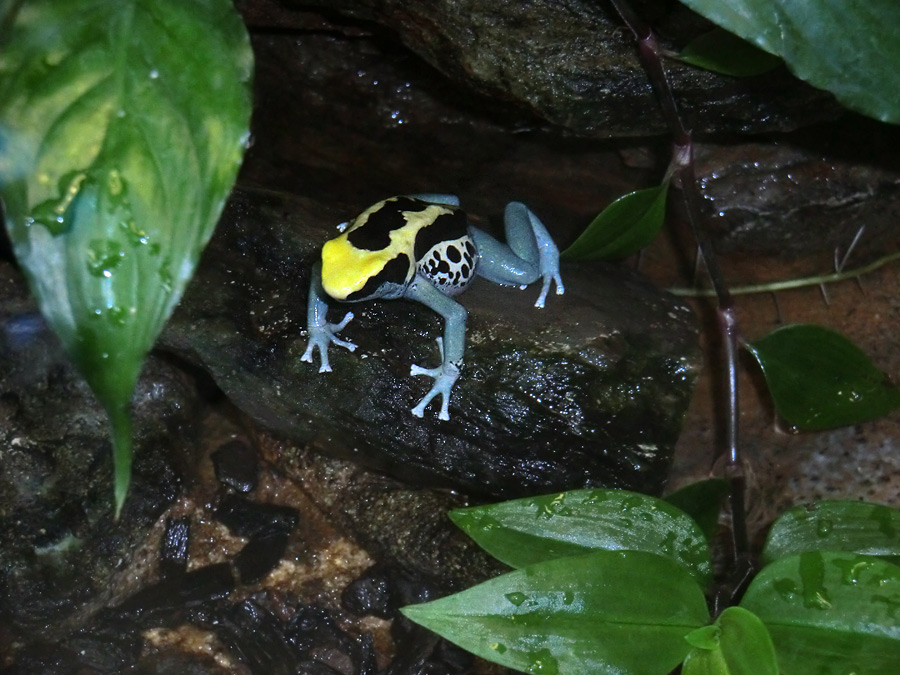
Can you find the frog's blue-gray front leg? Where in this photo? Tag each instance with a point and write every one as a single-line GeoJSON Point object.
{"type": "Point", "coordinates": [529, 254]}
{"type": "Point", "coordinates": [322, 333]}
{"type": "Point", "coordinates": [452, 345]}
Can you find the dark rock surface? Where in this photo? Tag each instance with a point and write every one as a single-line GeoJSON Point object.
{"type": "Point", "coordinates": [769, 197]}
{"type": "Point", "coordinates": [589, 391]}
{"type": "Point", "coordinates": [573, 63]}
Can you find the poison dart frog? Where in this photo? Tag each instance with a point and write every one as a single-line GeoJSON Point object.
{"type": "Point", "coordinates": [422, 247]}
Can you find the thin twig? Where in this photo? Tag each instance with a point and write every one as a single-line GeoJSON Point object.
{"type": "Point", "coordinates": [682, 168]}
{"type": "Point", "coordinates": [789, 284]}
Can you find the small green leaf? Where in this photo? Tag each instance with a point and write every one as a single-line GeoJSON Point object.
{"type": "Point", "coordinates": [740, 645]}
{"type": "Point", "coordinates": [844, 46]}
{"type": "Point", "coordinates": [703, 502]}
{"type": "Point", "coordinates": [705, 637]}
{"type": "Point", "coordinates": [533, 529]}
{"type": "Point", "coordinates": [726, 53]}
{"type": "Point", "coordinates": [624, 227]}
{"type": "Point", "coordinates": [818, 379]}
{"type": "Point", "coordinates": [122, 126]}
{"type": "Point", "coordinates": [830, 613]}
{"type": "Point", "coordinates": [604, 612]}
{"type": "Point", "coordinates": [851, 526]}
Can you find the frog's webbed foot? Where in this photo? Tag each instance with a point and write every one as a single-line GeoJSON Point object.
{"type": "Point", "coordinates": [320, 337]}
{"type": "Point", "coordinates": [545, 287]}
{"type": "Point", "coordinates": [528, 255]}
{"type": "Point", "coordinates": [445, 376]}
{"type": "Point", "coordinates": [548, 259]}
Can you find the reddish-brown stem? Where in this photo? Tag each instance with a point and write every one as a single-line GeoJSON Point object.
{"type": "Point", "coordinates": [682, 170]}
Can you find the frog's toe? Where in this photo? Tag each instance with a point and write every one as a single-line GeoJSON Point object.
{"type": "Point", "coordinates": [445, 377]}
{"type": "Point", "coordinates": [545, 288]}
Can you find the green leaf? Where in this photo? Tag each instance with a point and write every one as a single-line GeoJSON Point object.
{"type": "Point", "coordinates": [844, 46]}
{"type": "Point", "coordinates": [739, 645]}
{"type": "Point", "coordinates": [624, 227]}
{"type": "Point", "coordinates": [525, 531]}
{"type": "Point", "coordinates": [589, 614]}
{"type": "Point", "coordinates": [122, 126]}
{"type": "Point", "coordinates": [726, 53]}
{"type": "Point", "coordinates": [819, 379]}
{"type": "Point", "coordinates": [851, 526]}
{"type": "Point", "coordinates": [703, 502]}
{"type": "Point", "coordinates": [830, 613]}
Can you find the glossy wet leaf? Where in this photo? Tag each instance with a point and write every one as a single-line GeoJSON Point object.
{"type": "Point", "coordinates": [848, 47]}
{"type": "Point", "coordinates": [703, 502]}
{"type": "Point", "coordinates": [525, 531]}
{"type": "Point", "coordinates": [624, 227]}
{"type": "Point", "coordinates": [830, 613]}
{"type": "Point", "coordinates": [726, 53]}
{"type": "Point", "coordinates": [122, 125]}
{"type": "Point", "coordinates": [818, 379]}
{"type": "Point", "coordinates": [737, 644]}
{"type": "Point", "coordinates": [587, 614]}
{"type": "Point", "coordinates": [851, 526]}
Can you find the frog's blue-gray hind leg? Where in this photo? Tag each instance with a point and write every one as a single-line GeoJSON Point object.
{"type": "Point", "coordinates": [322, 333]}
{"type": "Point", "coordinates": [528, 255]}
{"type": "Point", "coordinates": [452, 345]}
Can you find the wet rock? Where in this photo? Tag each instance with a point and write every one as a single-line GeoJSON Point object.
{"type": "Point", "coordinates": [382, 590]}
{"type": "Point", "coordinates": [589, 391]}
{"type": "Point", "coordinates": [60, 543]}
{"type": "Point", "coordinates": [805, 193]}
{"type": "Point", "coordinates": [310, 642]}
{"type": "Point", "coordinates": [403, 526]}
{"type": "Point", "coordinates": [173, 553]}
{"type": "Point", "coordinates": [259, 557]}
{"type": "Point", "coordinates": [101, 650]}
{"type": "Point", "coordinates": [235, 466]}
{"type": "Point", "coordinates": [573, 64]}
{"type": "Point", "coordinates": [167, 600]}
{"type": "Point", "coordinates": [173, 661]}
{"type": "Point", "coordinates": [246, 518]}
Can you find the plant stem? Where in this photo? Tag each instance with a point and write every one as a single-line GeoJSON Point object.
{"type": "Point", "coordinates": [682, 169]}
{"type": "Point", "coordinates": [789, 284]}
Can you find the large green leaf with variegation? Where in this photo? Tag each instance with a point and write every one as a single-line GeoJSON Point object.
{"type": "Point", "coordinates": [122, 126]}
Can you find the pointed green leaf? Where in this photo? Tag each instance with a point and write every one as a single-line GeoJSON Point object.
{"type": "Point", "coordinates": [818, 379]}
{"type": "Point", "coordinates": [624, 227]}
{"type": "Point", "coordinates": [525, 531]}
{"type": "Point", "coordinates": [122, 125]}
{"type": "Point", "coordinates": [589, 614]}
{"type": "Point", "coordinates": [844, 46]}
{"type": "Point", "coordinates": [830, 613]}
{"type": "Point", "coordinates": [854, 527]}
{"type": "Point", "coordinates": [703, 502]}
{"type": "Point", "coordinates": [739, 645]}
{"type": "Point", "coordinates": [726, 53]}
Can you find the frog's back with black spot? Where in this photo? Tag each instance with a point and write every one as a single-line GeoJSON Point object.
{"type": "Point", "coordinates": [383, 248]}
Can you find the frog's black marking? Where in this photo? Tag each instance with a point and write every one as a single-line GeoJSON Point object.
{"type": "Point", "coordinates": [375, 233]}
{"type": "Point", "coordinates": [395, 271]}
{"type": "Point", "coordinates": [446, 227]}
